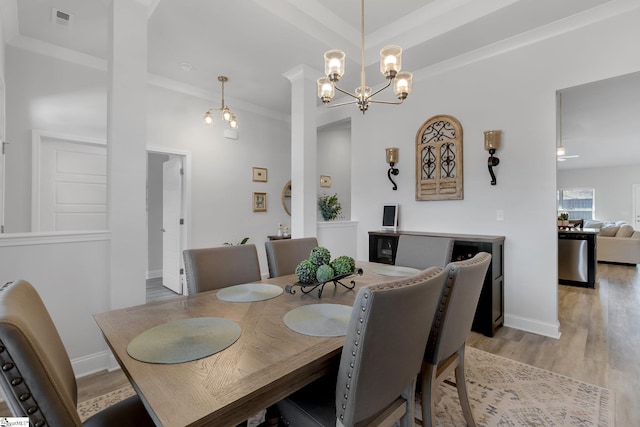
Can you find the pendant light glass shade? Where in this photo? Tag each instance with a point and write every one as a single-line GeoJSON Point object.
{"type": "Point", "coordinates": [334, 64]}
{"type": "Point", "coordinates": [208, 118]}
{"type": "Point", "coordinates": [390, 61]}
{"type": "Point", "coordinates": [326, 90]}
{"type": "Point", "coordinates": [226, 114]}
{"type": "Point", "coordinates": [402, 84]}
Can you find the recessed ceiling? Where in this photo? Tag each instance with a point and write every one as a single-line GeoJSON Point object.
{"type": "Point", "coordinates": [255, 42]}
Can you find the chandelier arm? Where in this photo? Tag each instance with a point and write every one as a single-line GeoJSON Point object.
{"type": "Point", "coordinates": [345, 92]}
{"type": "Point", "coordinates": [373, 101]}
{"type": "Point", "coordinates": [380, 90]}
{"type": "Point", "coordinates": [341, 104]}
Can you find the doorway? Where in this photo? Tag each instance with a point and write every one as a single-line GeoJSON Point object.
{"type": "Point", "coordinates": [167, 213]}
{"type": "Point", "coordinates": [636, 206]}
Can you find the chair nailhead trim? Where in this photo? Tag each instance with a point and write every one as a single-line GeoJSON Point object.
{"type": "Point", "coordinates": [20, 390]}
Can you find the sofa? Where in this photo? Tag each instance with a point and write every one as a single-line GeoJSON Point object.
{"type": "Point", "coordinates": [617, 241]}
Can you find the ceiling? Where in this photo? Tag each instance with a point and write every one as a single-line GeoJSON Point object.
{"type": "Point", "coordinates": [255, 42]}
{"type": "Point", "coordinates": [600, 123]}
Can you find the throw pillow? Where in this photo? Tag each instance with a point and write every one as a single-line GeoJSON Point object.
{"type": "Point", "coordinates": [608, 231]}
{"type": "Point", "coordinates": [589, 223]}
{"type": "Point", "coordinates": [625, 231]}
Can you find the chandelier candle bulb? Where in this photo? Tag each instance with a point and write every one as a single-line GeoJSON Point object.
{"type": "Point", "coordinates": [390, 61]}
{"type": "Point", "coordinates": [334, 64]}
{"type": "Point", "coordinates": [325, 89]}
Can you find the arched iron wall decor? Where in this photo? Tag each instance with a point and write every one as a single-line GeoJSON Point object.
{"type": "Point", "coordinates": [439, 159]}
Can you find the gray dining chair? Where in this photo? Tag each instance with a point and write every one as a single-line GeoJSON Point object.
{"type": "Point", "coordinates": [36, 376]}
{"type": "Point", "coordinates": [284, 255]}
{"type": "Point", "coordinates": [382, 353]}
{"type": "Point", "coordinates": [423, 251]}
{"type": "Point", "coordinates": [207, 269]}
{"type": "Point", "coordinates": [445, 349]}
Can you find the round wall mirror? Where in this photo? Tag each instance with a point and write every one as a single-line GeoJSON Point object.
{"type": "Point", "coordinates": [286, 198]}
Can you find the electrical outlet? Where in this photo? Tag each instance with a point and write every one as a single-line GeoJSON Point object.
{"type": "Point", "coordinates": [499, 215]}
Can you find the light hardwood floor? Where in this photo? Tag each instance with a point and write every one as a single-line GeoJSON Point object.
{"type": "Point", "coordinates": [600, 341]}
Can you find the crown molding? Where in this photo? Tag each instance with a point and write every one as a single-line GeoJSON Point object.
{"type": "Point", "coordinates": [58, 52]}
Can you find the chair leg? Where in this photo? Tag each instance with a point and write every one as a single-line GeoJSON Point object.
{"type": "Point", "coordinates": [428, 385]}
{"type": "Point", "coordinates": [461, 386]}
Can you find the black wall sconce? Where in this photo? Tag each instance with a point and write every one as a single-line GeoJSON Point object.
{"type": "Point", "coordinates": [392, 159]}
{"type": "Point", "coordinates": [491, 144]}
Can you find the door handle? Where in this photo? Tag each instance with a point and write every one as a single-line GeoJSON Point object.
{"type": "Point", "coordinates": [164, 231]}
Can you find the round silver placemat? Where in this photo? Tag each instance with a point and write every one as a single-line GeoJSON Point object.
{"type": "Point", "coordinates": [319, 320]}
{"type": "Point", "coordinates": [184, 340]}
{"type": "Point", "coordinates": [249, 292]}
{"type": "Point", "coordinates": [395, 270]}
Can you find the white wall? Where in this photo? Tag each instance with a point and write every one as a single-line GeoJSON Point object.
{"type": "Point", "coordinates": [613, 189]}
{"type": "Point", "coordinates": [70, 274]}
{"type": "Point", "coordinates": [46, 94]}
{"type": "Point", "coordinates": [221, 169]}
{"type": "Point", "coordinates": [70, 98]}
{"type": "Point", "coordinates": [334, 159]}
{"type": "Point", "coordinates": [506, 88]}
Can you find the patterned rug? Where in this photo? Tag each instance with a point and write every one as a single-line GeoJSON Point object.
{"type": "Point", "coordinates": [503, 392]}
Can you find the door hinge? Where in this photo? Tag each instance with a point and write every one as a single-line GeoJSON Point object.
{"type": "Point", "coordinates": [181, 221]}
{"type": "Point", "coordinates": [181, 171]}
{"type": "Point", "coordinates": [4, 144]}
{"type": "Point", "coordinates": [182, 271]}
{"type": "Point", "coordinates": [1, 228]}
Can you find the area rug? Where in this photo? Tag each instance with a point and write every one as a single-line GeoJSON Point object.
{"type": "Point", "coordinates": [502, 392]}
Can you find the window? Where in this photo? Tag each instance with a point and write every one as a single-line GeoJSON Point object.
{"type": "Point", "coordinates": [579, 202]}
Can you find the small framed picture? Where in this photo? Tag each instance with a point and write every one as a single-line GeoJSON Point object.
{"type": "Point", "coordinates": [259, 202]}
{"type": "Point", "coordinates": [325, 181]}
{"type": "Point", "coordinates": [260, 174]}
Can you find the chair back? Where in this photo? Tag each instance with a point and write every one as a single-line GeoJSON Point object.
{"type": "Point", "coordinates": [36, 375]}
{"type": "Point", "coordinates": [214, 268]}
{"type": "Point", "coordinates": [423, 251]}
{"type": "Point", "coordinates": [283, 256]}
{"type": "Point", "coordinates": [384, 345]}
{"type": "Point", "coordinates": [457, 307]}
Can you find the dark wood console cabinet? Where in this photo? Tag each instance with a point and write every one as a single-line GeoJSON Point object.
{"type": "Point", "coordinates": [490, 312]}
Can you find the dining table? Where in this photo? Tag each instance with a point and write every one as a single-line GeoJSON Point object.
{"type": "Point", "coordinates": [267, 362]}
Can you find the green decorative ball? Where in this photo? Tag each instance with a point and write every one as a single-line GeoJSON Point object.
{"type": "Point", "coordinates": [320, 255]}
{"type": "Point", "coordinates": [306, 271]}
{"type": "Point", "coordinates": [343, 265]}
{"type": "Point", "coordinates": [324, 273]}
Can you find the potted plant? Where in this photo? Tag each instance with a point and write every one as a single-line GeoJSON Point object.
{"type": "Point", "coordinates": [563, 219]}
{"type": "Point", "coordinates": [329, 206]}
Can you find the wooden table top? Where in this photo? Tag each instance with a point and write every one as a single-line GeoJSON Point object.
{"type": "Point", "coordinates": [267, 363]}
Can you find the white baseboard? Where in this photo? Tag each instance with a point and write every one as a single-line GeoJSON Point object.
{"type": "Point", "coordinates": [87, 365]}
{"type": "Point", "coordinates": [531, 325]}
{"type": "Point", "coordinates": [154, 274]}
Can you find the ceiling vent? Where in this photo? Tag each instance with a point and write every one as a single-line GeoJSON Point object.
{"type": "Point", "coordinates": [61, 18]}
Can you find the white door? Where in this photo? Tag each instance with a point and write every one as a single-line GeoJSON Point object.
{"type": "Point", "coordinates": [171, 223]}
{"type": "Point", "coordinates": [69, 184]}
{"type": "Point", "coordinates": [636, 206]}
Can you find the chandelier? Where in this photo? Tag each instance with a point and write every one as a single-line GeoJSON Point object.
{"type": "Point", "coordinates": [390, 65]}
{"type": "Point", "coordinates": [227, 115]}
